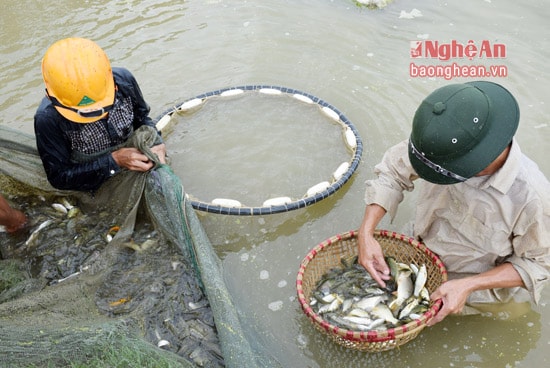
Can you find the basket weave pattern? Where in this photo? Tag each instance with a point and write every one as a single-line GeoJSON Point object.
{"type": "Point", "coordinates": [328, 254]}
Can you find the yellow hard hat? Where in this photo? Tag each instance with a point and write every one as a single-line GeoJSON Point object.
{"type": "Point", "coordinates": [79, 79]}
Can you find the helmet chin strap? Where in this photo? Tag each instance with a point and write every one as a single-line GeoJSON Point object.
{"type": "Point", "coordinates": [437, 168]}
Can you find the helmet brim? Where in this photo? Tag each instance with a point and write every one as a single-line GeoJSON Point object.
{"type": "Point", "coordinates": [106, 101]}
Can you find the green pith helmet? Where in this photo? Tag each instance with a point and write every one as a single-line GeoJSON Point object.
{"type": "Point", "coordinates": [459, 129]}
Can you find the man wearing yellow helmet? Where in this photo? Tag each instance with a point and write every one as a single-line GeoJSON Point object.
{"type": "Point", "coordinates": [89, 111]}
{"type": "Point", "coordinates": [483, 206]}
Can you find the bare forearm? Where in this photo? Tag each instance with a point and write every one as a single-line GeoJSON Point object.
{"type": "Point", "coordinates": [370, 253]}
{"type": "Point", "coordinates": [502, 276]}
{"type": "Point", "coordinates": [372, 217]}
{"type": "Point", "coordinates": [455, 293]}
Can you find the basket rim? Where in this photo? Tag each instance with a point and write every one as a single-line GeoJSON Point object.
{"type": "Point", "coordinates": [369, 336]}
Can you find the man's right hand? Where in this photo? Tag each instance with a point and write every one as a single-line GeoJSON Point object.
{"type": "Point", "coordinates": [370, 254]}
{"type": "Point", "coordinates": [132, 159]}
{"type": "Point", "coordinates": [371, 257]}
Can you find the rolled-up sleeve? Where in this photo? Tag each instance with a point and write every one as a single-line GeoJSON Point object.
{"type": "Point", "coordinates": [394, 175]}
{"type": "Point", "coordinates": [531, 257]}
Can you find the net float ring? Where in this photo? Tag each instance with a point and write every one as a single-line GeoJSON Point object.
{"type": "Point", "coordinates": [315, 193]}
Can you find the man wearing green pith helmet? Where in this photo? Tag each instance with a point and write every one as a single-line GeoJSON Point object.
{"type": "Point", "coordinates": [483, 206]}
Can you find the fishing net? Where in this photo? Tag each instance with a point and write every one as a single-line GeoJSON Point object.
{"type": "Point", "coordinates": [122, 277]}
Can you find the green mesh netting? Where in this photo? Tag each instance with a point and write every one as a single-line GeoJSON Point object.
{"type": "Point", "coordinates": [123, 277]}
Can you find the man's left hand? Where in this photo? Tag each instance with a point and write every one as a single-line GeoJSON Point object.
{"type": "Point", "coordinates": [160, 151]}
{"type": "Point", "coordinates": [453, 294]}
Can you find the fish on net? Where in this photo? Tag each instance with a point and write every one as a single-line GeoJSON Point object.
{"type": "Point", "coordinates": [124, 275]}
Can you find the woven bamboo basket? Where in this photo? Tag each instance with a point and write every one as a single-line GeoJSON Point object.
{"type": "Point", "coordinates": [328, 254]}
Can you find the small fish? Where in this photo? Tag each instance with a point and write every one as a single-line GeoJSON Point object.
{"type": "Point", "coordinates": [358, 312]}
{"type": "Point", "coordinates": [334, 305]}
{"type": "Point", "coordinates": [420, 281]}
{"type": "Point", "coordinates": [139, 247]}
{"type": "Point", "coordinates": [407, 309]}
{"type": "Point", "coordinates": [66, 203]}
{"type": "Point", "coordinates": [66, 278]}
{"type": "Point", "coordinates": [405, 289]}
{"type": "Point", "coordinates": [374, 290]}
{"type": "Point", "coordinates": [148, 244]}
{"type": "Point", "coordinates": [419, 309]}
{"type": "Point", "coordinates": [111, 233]}
{"type": "Point", "coordinates": [73, 212]}
{"type": "Point", "coordinates": [347, 304]}
{"type": "Point", "coordinates": [369, 303]}
{"type": "Point", "coordinates": [32, 238]}
{"type": "Point", "coordinates": [329, 298]}
{"type": "Point", "coordinates": [326, 286]}
{"type": "Point", "coordinates": [163, 343]}
{"type": "Point", "coordinates": [345, 323]}
{"type": "Point", "coordinates": [377, 323]}
{"type": "Point", "coordinates": [349, 297]}
{"type": "Point", "coordinates": [392, 264]}
{"type": "Point", "coordinates": [362, 321]}
{"type": "Point", "coordinates": [120, 301]}
{"type": "Point", "coordinates": [425, 295]}
{"type": "Point", "coordinates": [383, 311]}
{"type": "Point", "coordinates": [59, 208]}
{"type": "Point", "coordinates": [132, 245]}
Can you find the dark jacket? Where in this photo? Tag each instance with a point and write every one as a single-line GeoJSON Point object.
{"type": "Point", "coordinates": [53, 133]}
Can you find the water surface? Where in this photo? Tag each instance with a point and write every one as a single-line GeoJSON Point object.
{"type": "Point", "coordinates": [357, 60]}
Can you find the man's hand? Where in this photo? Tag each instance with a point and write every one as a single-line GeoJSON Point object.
{"type": "Point", "coordinates": [17, 221]}
{"type": "Point", "coordinates": [372, 258]}
{"type": "Point", "coordinates": [160, 151]}
{"type": "Point", "coordinates": [370, 253]}
{"type": "Point", "coordinates": [453, 294]}
{"type": "Point", "coordinates": [132, 159]}
{"type": "Point", "coordinates": [11, 218]}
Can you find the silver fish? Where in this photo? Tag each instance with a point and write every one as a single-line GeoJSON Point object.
{"type": "Point", "coordinates": [329, 298]}
{"type": "Point", "coordinates": [425, 294]}
{"type": "Point", "coordinates": [347, 304]}
{"type": "Point", "coordinates": [365, 324]}
{"type": "Point", "coordinates": [411, 304]}
{"type": "Point", "coordinates": [358, 312]}
{"type": "Point", "coordinates": [368, 303]}
{"type": "Point", "coordinates": [331, 307]}
{"type": "Point", "coordinates": [30, 241]}
{"type": "Point", "coordinates": [383, 311]}
{"type": "Point", "coordinates": [350, 298]}
{"type": "Point", "coordinates": [59, 208]}
{"type": "Point", "coordinates": [73, 212]}
{"type": "Point", "coordinates": [405, 289]}
{"type": "Point", "coordinates": [377, 323]}
{"type": "Point", "coordinates": [394, 268]}
{"type": "Point", "coordinates": [345, 323]}
{"type": "Point", "coordinates": [420, 281]}
{"type": "Point", "coordinates": [66, 203]}
{"type": "Point", "coordinates": [359, 320]}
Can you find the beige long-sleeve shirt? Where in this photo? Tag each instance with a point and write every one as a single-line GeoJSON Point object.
{"type": "Point", "coordinates": [478, 224]}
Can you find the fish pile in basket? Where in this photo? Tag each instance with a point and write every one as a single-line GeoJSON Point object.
{"type": "Point", "coordinates": [350, 298]}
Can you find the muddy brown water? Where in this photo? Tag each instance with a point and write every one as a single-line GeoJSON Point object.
{"type": "Point", "coordinates": [358, 60]}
